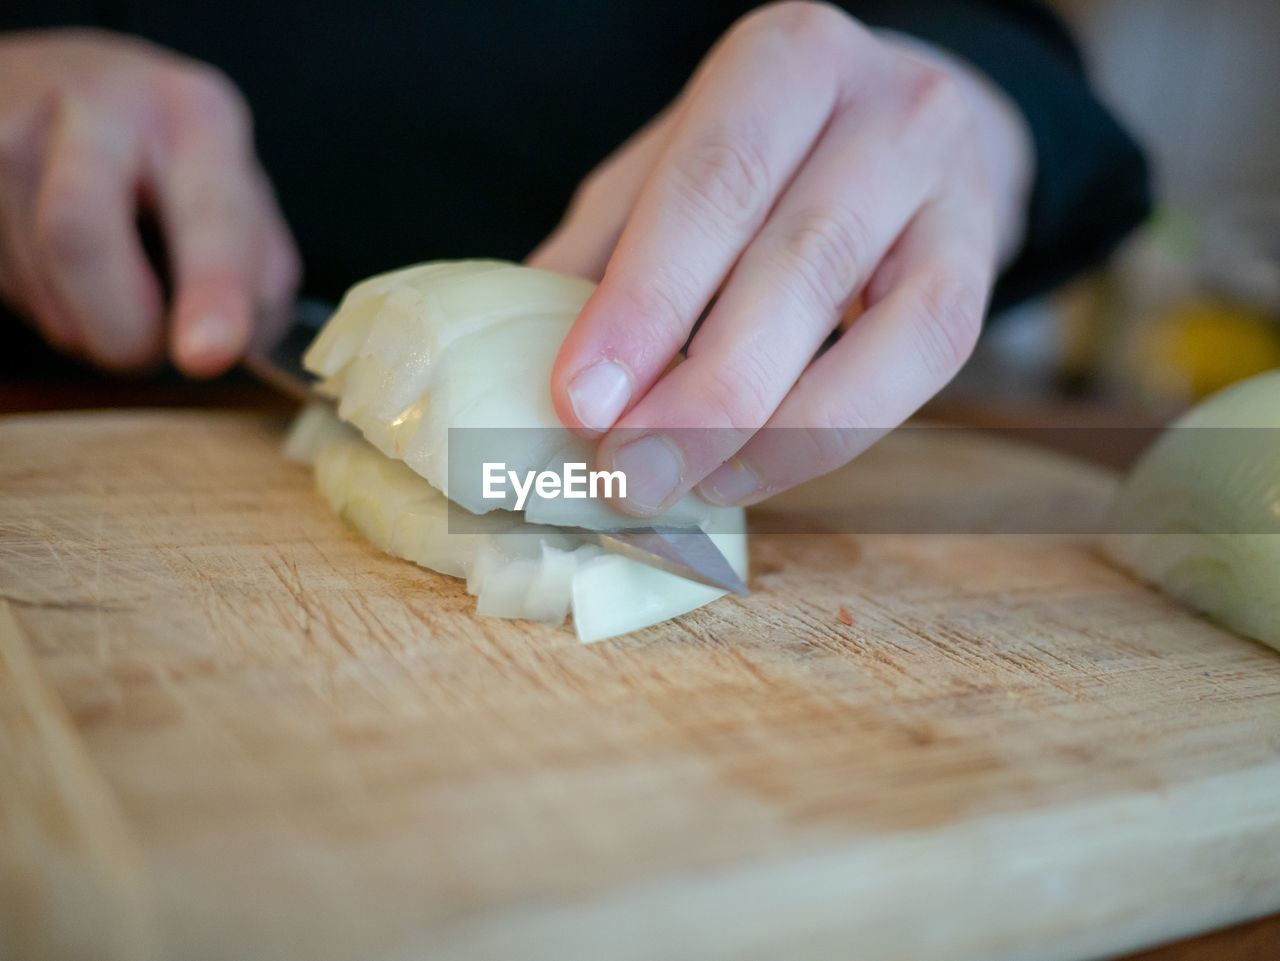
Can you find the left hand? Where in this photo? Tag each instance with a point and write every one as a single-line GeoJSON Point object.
{"type": "Point", "coordinates": [810, 171]}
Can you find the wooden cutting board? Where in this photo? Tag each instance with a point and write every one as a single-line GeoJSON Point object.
{"type": "Point", "coordinates": [231, 729]}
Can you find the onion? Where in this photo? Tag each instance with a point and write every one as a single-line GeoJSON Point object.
{"type": "Point", "coordinates": [514, 568]}
{"type": "Point", "coordinates": [1201, 510]}
{"type": "Point", "coordinates": [467, 348]}
{"type": "Point", "coordinates": [312, 430]}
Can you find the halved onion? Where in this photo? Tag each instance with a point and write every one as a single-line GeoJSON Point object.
{"type": "Point", "coordinates": [1201, 510]}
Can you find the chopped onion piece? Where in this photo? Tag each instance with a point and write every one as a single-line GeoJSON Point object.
{"type": "Point", "coordinates": [515, 569]}
{"type": "Point", "coordinates": [313, 429]}
{"type": "Point", "coordinates": [444, 368]}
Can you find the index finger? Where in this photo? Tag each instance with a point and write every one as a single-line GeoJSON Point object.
{"type": "Point", "coordinates": [206, 191]}
{"type": "Point", "coordinates": [752, 113]}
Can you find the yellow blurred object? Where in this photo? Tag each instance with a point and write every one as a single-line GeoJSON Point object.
{"type": "Point", "coordinates": [1201, 344]}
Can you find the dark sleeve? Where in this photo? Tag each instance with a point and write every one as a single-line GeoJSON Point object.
{"type": "Point", "coordinates": [1091, 183]}
{"type": "Point", "coordinates": [33, 14]}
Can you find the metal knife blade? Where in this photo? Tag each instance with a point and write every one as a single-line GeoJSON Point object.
{"type": "Point", "coordinates": [281, 366]}
{"type": "Point", "coordinates": [686, 552]}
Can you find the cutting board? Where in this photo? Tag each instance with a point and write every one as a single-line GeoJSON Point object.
{"type": "Point", "coordinates": [231, 729]}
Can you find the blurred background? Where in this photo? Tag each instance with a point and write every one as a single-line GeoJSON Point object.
{"type": "Point", "coordinates": [1189, 304]}
{"type": "Point", "coordinates": [1192, 301]}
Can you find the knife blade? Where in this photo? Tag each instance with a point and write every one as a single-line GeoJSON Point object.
{"type": "Point", "coordinates": [684, 551]}
{"type": "Point", "coordinates": [281, 366]}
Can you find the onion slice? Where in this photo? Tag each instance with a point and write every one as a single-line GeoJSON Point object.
{"type": "Point", "coordinates": [515, 569]}
{"type": "Point", "coordinates": [440, 368]}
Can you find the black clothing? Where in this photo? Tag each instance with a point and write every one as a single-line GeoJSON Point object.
{"type": "Point", "coordinates": [1091, 184]}
{"type": "Point", "coordinates": [405, 131]}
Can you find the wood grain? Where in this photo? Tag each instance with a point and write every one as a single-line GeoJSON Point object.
{"type": "Point", "coordinates": [1253, 941]}
{"type": "Point", "coordinates": [1010, 751]}
{"type": "Point", "coordinates": [70, 871]}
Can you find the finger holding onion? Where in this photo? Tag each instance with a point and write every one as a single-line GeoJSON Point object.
{"type": "Point", "coordinates": [810, 165]}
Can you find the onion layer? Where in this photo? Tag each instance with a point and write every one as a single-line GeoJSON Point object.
{"type": "Point", "coordinates": [514, 568]}
{"type": "Point", "coordinates": [465, 347]}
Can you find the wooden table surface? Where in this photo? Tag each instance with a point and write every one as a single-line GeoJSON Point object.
{"type": "Point", "coordinates": [31, 381]}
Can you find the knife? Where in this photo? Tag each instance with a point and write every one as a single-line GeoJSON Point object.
{"type": "Point", "coordinates": [685, 551]}
{"type": "Point", "coordinates": [281, 366]}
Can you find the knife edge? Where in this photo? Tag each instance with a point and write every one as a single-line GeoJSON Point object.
{"type": "Point", "coordinates": [687, 552]}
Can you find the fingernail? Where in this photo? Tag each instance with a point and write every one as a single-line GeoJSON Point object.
{"type": "Point", "coordinates": [599, 394]}
{"type": "Point", "coordinates": [729, 483]}
{"type": "Point", "coordinates": [652, 468]}
{"type": "Point", "coordinates": [209, 336]}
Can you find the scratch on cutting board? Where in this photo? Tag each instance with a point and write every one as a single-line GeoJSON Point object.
{"type": "Point", "coordinates": [62, 803]}
{"type": "Point", "coordinates": [210, 732]}
{"type": "Point", "coordinates": [88, 606]}
{"type": "Point", "coordinates": [28, 529]}
{"type": "Point", "coordinates": [101, 639]}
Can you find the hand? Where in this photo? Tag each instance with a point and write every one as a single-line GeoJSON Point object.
{"type": "Point", "coordinates": [97, 129]}
{"type": "Point", "coordinates": [810, 171]}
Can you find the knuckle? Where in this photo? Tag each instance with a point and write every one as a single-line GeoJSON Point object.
{"type": "Point", "coordinates": [204, 93]}
{"type": "Point", "coordinates": [948, 322]}
{"type": "Point", "coordinates": [738, 392]}
{"type": "Point", "coordinates": [832, 440]}
{"type": "Point", "coordinates": [803, 22]}
{"type": "Point", "coordinates": [935, 100]}
{"type": "Point", "coordinates": [668, 303]}
{"type": "Point", "coordinates": [849, 413]}
{"type": "Point", "coordinates": [824, 254]}
{"type": "Point", "coordinates": [224, 213]}
{"type": "Point", "coordinates": [725, 173]}
{"type": "Point", "coordinates": [806, 39]}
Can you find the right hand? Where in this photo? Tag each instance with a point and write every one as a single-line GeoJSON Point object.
{"type": "Point", "coordinates": [812, 172]}
{"type": "Point", "coordinates": [96, 129]}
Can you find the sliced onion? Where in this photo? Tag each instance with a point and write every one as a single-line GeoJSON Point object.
{"type": "Point", "coordinates": [514, 568]}
{"type": "Point", "coordinates": [443, 367]}
{"type": "Point", "coordinates": [468, 346]}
